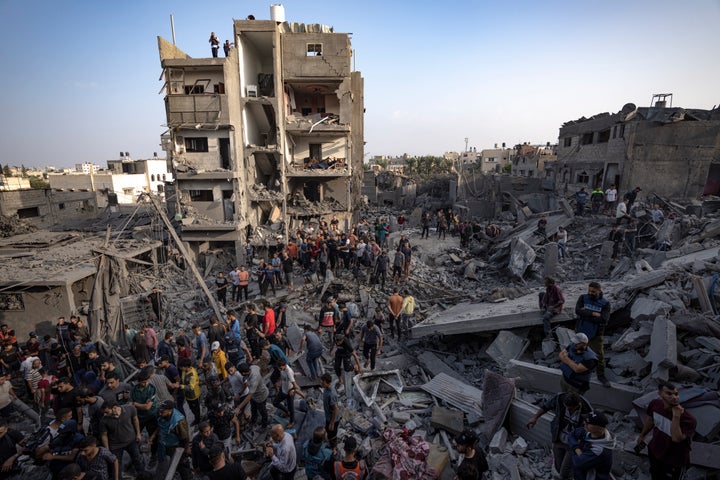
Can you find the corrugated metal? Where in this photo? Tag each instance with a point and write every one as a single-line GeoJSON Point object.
{"type": "Point", "coordinates": [456, 393]}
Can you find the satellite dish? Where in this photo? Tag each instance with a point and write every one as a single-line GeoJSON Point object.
{"type": "Point", "coordinates": [628, 108]}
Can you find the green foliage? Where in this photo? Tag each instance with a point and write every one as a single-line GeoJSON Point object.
{"type": "Point", "coordinates": [38, 183]}
{"type": "Point", "coordinates": [507, 168]}
{"type": "Point", "coordinates": [6, 171]}
{"type": "Point", "coordinates": [427, 166]}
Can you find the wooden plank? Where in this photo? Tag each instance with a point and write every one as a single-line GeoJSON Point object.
{"type": "Point", "coordinates": [543, 379]}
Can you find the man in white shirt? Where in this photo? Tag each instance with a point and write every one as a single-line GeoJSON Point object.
{"type": "Point", "coordinates": [610, 198]}
{"type": "Point", "coordinates": [622, 212]}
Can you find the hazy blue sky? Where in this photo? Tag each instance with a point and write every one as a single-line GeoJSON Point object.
{"type": "Point", "coordinates": [81, 77]}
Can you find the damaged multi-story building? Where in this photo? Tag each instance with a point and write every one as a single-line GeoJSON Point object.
{"type": "Point", "coordinates": [265, 138]}
{"type": "Point", "coordinates": [669, 151]}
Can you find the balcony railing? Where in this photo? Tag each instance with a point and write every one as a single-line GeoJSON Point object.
{"type": "Point", "coordinates": [197, 109]}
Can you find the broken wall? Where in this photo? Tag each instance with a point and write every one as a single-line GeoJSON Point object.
{"type": "Point", "coordinates": [333, 62]}
{"type": "Point", "coordinates": [671, 160]}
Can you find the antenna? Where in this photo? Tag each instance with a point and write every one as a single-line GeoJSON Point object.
{"type": "Point", "coordinates": [172, 28]}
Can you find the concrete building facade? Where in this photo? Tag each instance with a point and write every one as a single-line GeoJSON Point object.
{"type": "Point", "coordinates": [272, 132]}
{"type": "Point", "coordinates": [47, 207]}
{"type": "Point", "coordinates": [493, 159]}
{"type": "Point", "coordinates": [121, 183]}
{"type": "Point", "coordinates": [670, 151]}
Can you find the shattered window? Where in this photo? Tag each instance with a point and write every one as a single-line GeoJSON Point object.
{"type": "Point", "coordinates": [587, 138]}
{"type": "Point", "coordinates": [604, 136]}
{"type": "Point", "coordinates": [567, 142]}
{"type": "Point", "coordinates": [314, 49]}
{"type": "Point", "coordinates": [201, 195]}
{"type": "Point", "coordinates": [196, 144]}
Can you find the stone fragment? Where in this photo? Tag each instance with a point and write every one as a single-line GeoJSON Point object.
{"type": "Point", "coordinates": [644, 308]}
{"type": "Point", "coordinates": [520, 446]}
{"type": "Point", "coordinates": [497, 444]}
{"type": "Point", "coordinates": [521, 256]}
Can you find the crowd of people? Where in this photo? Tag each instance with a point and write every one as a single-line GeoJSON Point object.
{"type": "Point", "coordinates": [197, 395]}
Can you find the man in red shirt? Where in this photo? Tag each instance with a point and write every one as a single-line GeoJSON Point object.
{"type": "Point", "coordinates": [673, 429]}
{"type": "Point", "coordinates": [268, 323]}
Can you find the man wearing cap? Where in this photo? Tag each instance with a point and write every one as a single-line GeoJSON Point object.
{"type": "Point", "coordinates": [120, 432]}
{"type": "Point", "coordinates": [282, 454]}
{"type": "Point", "coordinates": [350, 468]}
{"type": "Point", "coordinates": [569, 410]}
{"type": "Point", "coordinates": [592, 448]}
{"type": "Point", "coordinates": [577, 362]}
{"type": "Point", "coordinates": [593, 313]}
{"type": "Point", "coordinates": [673, 428]}
{"type": "Point", "coordinates": [172, 433]}
{"type": "Point", "coordinates": [467, 444]}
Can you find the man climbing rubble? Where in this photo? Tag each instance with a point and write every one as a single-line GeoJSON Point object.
{"type": "Point", "coordinates": [593, 312]}
{"type": "Point", "coordinates": [551, 304]}
{"type": "Point", "coordinates": [569, 410]}
{"type": "Point", "coordinates": [577, 362]}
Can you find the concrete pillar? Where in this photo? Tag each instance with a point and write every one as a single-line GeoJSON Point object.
{"type": "Point", "coordinates": [551, 259]}
{"type": "Point", "coordinates": [605, 261]}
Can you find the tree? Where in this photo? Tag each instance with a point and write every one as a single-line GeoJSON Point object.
{"type": "Point", "coordinates": [6, 171]}
{"type": "Point", "coordinates": [38, 183]}
{"type": "Point", "coordinates": [507, 168]}
{"type": "Point", "coordinates": [24, 171]}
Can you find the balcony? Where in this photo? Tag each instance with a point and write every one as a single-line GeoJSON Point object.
{"type": "Point", "coordinates": [316, 125]}
{"type": "Point", "coordinates": [200, 109]}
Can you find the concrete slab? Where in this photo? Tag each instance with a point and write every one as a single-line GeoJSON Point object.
{"type": "Point", "coordinates": [663, 348]}
{"type": "Point", "coordinates": [564, 335]}
{"type": "Point", "coordinates": [506, 346]}
{"type": "Point", "coordinates": [522, 256]}
{"type": "Point", "coordinates": [446, 419]}
{"type": "Point", "coordinates": [516, 313]}
{"type": "Point", "coordinates": [709, 342]}
{"type": "Point", "coordinates": [518, 415]}
{"type": "Point", "coordinates": [708, 421]}
{"type": "Point", "coordinates": [435, 366]}
{"type": "Point", "coordinates": [632, 339]}
{"type": "Point", "coordinates": [498, 392]}
{"type": "Point", "coordinates": [647, 280]}
{"type": "Point", "coordinates": [701, 292]}
{"type": "Point", "coordinates": [644, 308]}
{"type": "Point", "coordinates": [543, 379]}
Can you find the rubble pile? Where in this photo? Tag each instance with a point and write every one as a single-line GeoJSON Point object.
{"type": "Point", "coordinates": [10, 226]}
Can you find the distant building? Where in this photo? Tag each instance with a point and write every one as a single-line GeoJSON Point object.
{"type": "Point", "coordinates": [469, 157]}
{"type": "Point", "coordinates": [121, 183]}
{"type": "Point", "coordinates": [14, 183]}
{"type": "Point", "coordinates": [46, 207]}
{"type": "Point", "coordinates": [669, 151]}
{"type": "Point", "coordinates": [266, 138]}
{"type": "Point", "coordinates": [86, 167]}
{"type": "Point", "coordinates": [493, 159]}
{"type": "Point", "coordinates": [530, 160]}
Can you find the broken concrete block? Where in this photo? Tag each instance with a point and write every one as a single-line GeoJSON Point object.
{"type": "Point", "coordinates": [663, 348]}
{"type": "Point", "coordinates": [564, 335]}
{"type": "Point", "coordinates": [497, 444]}
{"type": "Point", "coordinates": [633, 339]}
{"type": "Point", "coordinates": [628, 361]}
{"type": "Point", "coordinates": [521, 256]}
{"type": "Point", "coordinates": [708, 421]}
{"type": "Point", "coordinates": [506, 346]}
{"type": "Point", "coordinates": [519, 446]}
{"type": "Point", "coordinates": [603, 265]}
{"type": "Point", "coordinates": [446, 419]}
{"type": "Point", "coordinates": [709, 342]}
{"type": "Point", "coordinates": [551, 259]}
{"type": "Point", "coordinates": [548, 347]}
{"type": "Point", "coordinates": [401, 417]}
{"type": "Point", "coordinates": [644, 308]}
{"type": "Point", "coordinates": [455, 259]}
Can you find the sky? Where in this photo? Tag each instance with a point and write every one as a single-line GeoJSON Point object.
{"type": "Point", "coordinates": [82, 77]}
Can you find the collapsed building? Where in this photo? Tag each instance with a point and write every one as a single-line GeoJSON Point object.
{"type": "Point", "coordinates": [266, 138]}
{"type": "Point", "coordinates": [671, 151]}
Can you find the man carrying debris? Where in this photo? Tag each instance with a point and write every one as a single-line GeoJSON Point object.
{"type": "Point", "coordinates": [673, 428]}
{"type": "Point", "coordinates": [569, 410]}
{"type": "Point", "coordinates": [551, 304]}
{"type": "Point", "coordinates": [577, 362]}
{"type": "Point", "coordinates": [592, 448]}
{"type": "Point", "coordinates": [593, 312]}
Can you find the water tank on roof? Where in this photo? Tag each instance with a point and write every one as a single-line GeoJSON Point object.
{"type": "Point", "coordinates": [277, 13]}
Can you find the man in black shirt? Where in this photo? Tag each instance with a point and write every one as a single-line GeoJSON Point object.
{"type": "Point", "coordinates": [466, 444]}
{"type": "Point", "coordinates": [67, 397]}
{"type": "Point", "coordinates": [223, 470]}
